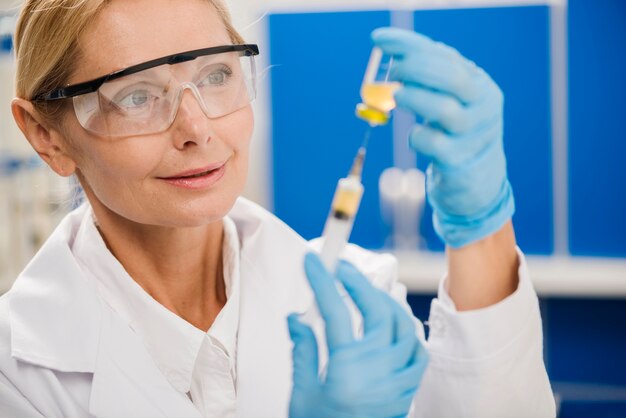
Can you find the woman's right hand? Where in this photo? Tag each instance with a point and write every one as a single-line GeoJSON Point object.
{"type": "Point", "coordinates": [376, 376]}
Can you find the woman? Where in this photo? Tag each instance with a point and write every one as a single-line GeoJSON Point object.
{"type": "Point", "coordinates": [169, 295]}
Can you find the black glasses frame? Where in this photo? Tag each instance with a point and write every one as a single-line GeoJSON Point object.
{"type": "Point", "coordinates": [93, 85]}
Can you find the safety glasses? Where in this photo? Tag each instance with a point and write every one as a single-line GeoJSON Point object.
{"type": "Point", "coordinates": [144, 98]}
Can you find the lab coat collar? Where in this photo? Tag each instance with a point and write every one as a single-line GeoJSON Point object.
{"type": "Point", "coordinates": [126, 381]}
{"type": "Point", "coordinates": [59, 322]}
{"type": "Point", "coordinates": [52, 303]}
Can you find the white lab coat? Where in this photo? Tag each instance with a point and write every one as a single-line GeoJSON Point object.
{"type": "Point", "coordinates": [65, 353]}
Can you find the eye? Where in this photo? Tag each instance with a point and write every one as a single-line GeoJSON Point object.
{"type": "Point", "coordinates": [216, 76]}
{"type": "Point", "coordinates": [135, 99]}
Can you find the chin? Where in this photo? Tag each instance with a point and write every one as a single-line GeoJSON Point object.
{"type": "Point", "coordinates": [201, 212]}
{"type": "Point", "coordinates": [203, 208]}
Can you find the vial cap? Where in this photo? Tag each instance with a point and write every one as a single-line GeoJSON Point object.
{"type": "Point", "coordinates": [371, 115]}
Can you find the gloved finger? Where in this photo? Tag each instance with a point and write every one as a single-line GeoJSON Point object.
{"type": "Point", "coordinates": [400, 351]}
{"type": "Point", "coordinates": [330, 303]}
{"type": "Point", "coordinates": [421, 359]}
{"type": "Point", "coordinates": [375, 360]}
{"type": "Point", "coordinates": [305, 356]}
{"type": "Point", "coordinates": [376, 312]}
{"type": "Point", "coordinates": [405, 338]}
{"type": "Point", "coordinates": [404, 327]}
{"type": "Point", "coordinates": [377, 404]}
{"type": "Point", "coordinates": [408, 378]}
{"type": "Point", "coordinates": [424, 61]}
{"type": "Point", "coordinates": [448, 194]}
{"type": "Point", "coordinates": [450, 77]}
{"type": "Point", "coordinates": [385, 403]}
{"type": "Point", "coordinates": [432, 142]}
{"type": "Point", "coordinates": [382, 362]}
{"type": "Point", "coordinates": [433, 106]}
{"type": "Point", "coordinates": [454, 150]}
{"type": "Point", "coordinates": [401, 43]}
{"type": "Point", "coordinates": [443, 109]}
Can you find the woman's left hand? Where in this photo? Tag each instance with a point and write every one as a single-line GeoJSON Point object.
{"type": "Point", "coordinates": [467, 183]}
{"type": "Point", "coordinates": [377, 375]}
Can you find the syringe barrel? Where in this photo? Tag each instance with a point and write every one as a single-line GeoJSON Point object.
{"type": "Point", "coordinates": [336, 235]}
{"type": "Point", "coordinates": [340, 220]}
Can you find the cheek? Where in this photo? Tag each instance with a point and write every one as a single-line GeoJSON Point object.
{"type": "Point", "coordinates": [106, 164]}
{"type": "Point", "coordinates": [117, 174]}
{"type": "Point", "coordinates": [237, 134]}
{"type": "Point", "coordinates": [240, 129]}
{"type": "Point", "coordinates": [111, 166]}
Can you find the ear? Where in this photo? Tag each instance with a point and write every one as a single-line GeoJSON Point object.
{"type": "Point", "coordinates": [47, 142]}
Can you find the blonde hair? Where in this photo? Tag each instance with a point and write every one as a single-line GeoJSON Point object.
{"type": "Point", "coordinates": [46, 45]}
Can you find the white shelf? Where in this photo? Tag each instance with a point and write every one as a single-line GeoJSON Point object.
{"type": "Point", "coordinates": [552, 276]}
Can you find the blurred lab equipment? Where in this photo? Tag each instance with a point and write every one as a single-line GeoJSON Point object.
{"type": "Point", "coordinates": [31, 197]}
{"type": "Point", "coordinates": [402, 198]}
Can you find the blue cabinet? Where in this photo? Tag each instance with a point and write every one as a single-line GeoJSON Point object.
{"type": "Point", "coordinates": [597, 138]}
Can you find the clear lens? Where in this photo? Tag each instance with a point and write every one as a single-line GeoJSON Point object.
{"type": "Point", "coordinates": [147, 102]}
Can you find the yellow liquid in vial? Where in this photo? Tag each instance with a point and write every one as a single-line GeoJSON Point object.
{"type": "Point", "coordinates": [380, 95]}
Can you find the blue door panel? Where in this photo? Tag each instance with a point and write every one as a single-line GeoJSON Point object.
{"type": "Point", "coordinates": [597, 138]}
{"type": "Point", "coordinates": [512, 45]}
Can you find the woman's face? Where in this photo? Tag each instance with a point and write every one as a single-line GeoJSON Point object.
{"type": "Point", "coordinates": [132, 176]}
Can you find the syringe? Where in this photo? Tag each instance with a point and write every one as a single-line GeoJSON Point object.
{"type": "Point", "coordinates": [343, 210]}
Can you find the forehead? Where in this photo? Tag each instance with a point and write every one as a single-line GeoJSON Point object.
{"type": "Point", "coordinates": [128, 32]}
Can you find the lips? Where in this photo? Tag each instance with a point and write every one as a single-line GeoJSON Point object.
{"type": "Point", "coordinates": [198, 172]}
{"type": "Point", "coordinates": [197, 179]}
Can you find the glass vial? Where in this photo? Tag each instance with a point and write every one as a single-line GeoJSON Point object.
{"type": "Point", "coordinates": [377, 90]}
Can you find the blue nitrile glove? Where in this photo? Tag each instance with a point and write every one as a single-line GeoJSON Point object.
{"type": "Point", "coordinates": [376, 376]}
{"type": "Point", "coordinates": [466, 182]}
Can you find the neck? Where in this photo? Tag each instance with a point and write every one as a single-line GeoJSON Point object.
{"type": "Point", "coordinates": [181, 268]}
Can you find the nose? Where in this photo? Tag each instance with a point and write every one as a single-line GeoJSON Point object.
{"type": "Point", "coordinates": [191, 126]}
